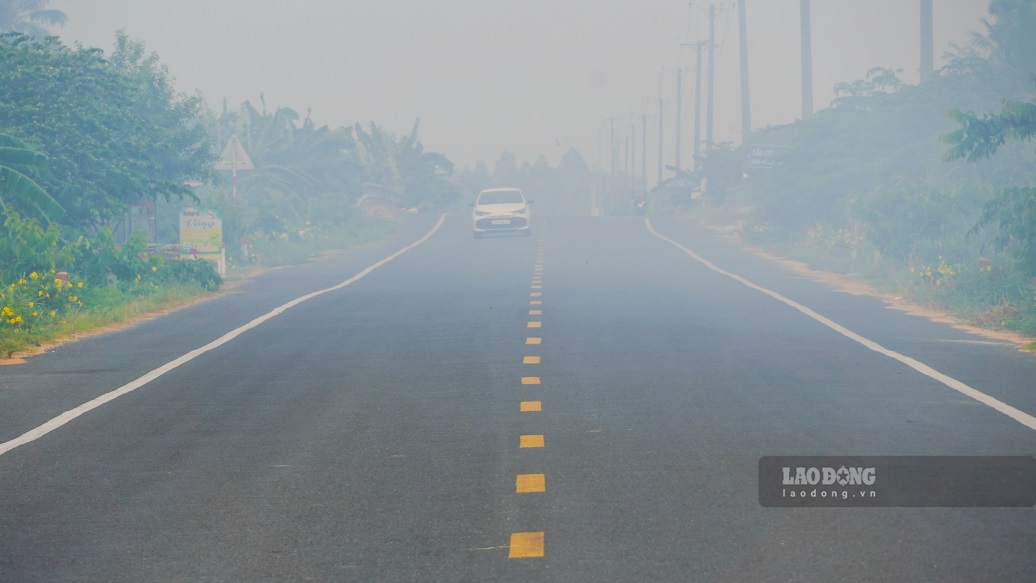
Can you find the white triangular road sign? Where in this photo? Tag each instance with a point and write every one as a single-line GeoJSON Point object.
{"type": "Point", "coordinates": [234, 157]}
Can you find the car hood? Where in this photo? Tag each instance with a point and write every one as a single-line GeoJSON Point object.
{"type": "Point", "coordinates": [501, 208]}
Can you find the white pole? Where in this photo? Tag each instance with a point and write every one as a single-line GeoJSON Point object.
{"type": "Point", "coordinates": [233, 170]}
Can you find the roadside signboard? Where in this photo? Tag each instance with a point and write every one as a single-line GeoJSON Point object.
{"type": "Point", "coordinates": [234, 158]}
{"type": "Point", "coordinates": [201, 236]}
{"type": "Point", "coordinates": [762, 156]}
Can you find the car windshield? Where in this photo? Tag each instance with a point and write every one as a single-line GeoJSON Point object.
{"type": "Point", "coordinates": [501, 197]}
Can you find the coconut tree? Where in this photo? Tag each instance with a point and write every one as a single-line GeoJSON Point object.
{"type": "Point", "coordinates": [29, 17]}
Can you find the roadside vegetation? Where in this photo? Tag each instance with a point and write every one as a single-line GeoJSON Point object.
{"type": "Point", "coordinates": [927, 190]}
{"type": "Point", "coordinates": [88, 139]}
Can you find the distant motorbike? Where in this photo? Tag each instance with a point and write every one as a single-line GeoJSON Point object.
{"type": "Point", "coordinates": [640, 205]}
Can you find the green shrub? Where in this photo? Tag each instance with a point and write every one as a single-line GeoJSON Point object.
{"type": "Point", "coordinates": [200, 272]}
{"type": "Point", "coordinates": [100, 258]}
{"type": "Point", "coordinates": [28, 247]}
{"type": "Point", "coordinates": [988, 292]}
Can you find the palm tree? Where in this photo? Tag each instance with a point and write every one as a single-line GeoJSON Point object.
{"type": "Point", "coordinates": [1008, 43]}
{"type": "Point", "coordinates": [29, 17]}
{"type": "Point", "coordinates": [18, 191]}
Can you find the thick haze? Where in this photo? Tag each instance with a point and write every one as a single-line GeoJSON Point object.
{"type": "Point", "coordinates": [531, 77]}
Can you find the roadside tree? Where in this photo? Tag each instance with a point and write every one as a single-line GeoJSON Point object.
{"type": "Point", "coordinates": [1012, 210]}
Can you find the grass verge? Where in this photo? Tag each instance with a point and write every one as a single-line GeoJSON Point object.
{"type": "Point", "coordinates": [985, 293]}
{"type": "Point", "coordinates": [123, 303]}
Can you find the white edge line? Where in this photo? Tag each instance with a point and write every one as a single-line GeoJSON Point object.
{"type": "Point", "coordinates": [55, 423]}
{"type": "Point", "coordinates": [1016, 414]}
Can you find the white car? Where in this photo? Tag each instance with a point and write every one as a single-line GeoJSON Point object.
{"type": "Point", "coordinates": [499, 210]}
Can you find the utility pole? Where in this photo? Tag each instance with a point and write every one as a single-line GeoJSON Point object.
{"type": "Point", "coordinates": [698, 46]}
{"type": "Point", "coordinates": [600, 150]}
{"type": "Point", "coordinates": [661, 136]}
{"type": "Point", "coordinates": [631, 155]}
{"type": "Point", "coordinates": [807, 60]}
{"type": "Point", "coordinates": [611, 147]}
{"type": "Point", "coordinates": [643, 151]}
{"type": "Point", "coordinates": [927, 50]}
{"type": "Point", "coordinates": [712, 49]}
{"type": "Point", "coordinates": [661, 127]}
{"type": "Point", "coordinates": [595, 197]}
{"type": "Point", "coordinates": [679, 101]}
{"type": "Point", "coordinates": [746, 105]}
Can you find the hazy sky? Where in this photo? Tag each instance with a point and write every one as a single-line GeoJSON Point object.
{"type": "Point", "coordinates": [529, 77]}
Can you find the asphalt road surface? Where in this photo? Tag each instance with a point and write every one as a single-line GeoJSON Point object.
{"type": "Point", "coordinates": [589, 403]}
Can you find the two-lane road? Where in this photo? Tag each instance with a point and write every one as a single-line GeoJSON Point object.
{"type": "Point", "coordinates": [586, 404]}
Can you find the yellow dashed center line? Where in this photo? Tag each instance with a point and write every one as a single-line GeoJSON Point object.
{"type": "Point", "coordinates": [530, 544]}
{"type": "Point", "coordinates": [530, 441]}
{"type": "Point", "coordinates": [528, 483]}
{"type": "Point", "coordinates": [526, 545]}
{"type": "Point", "coordinates": [530, 406]}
